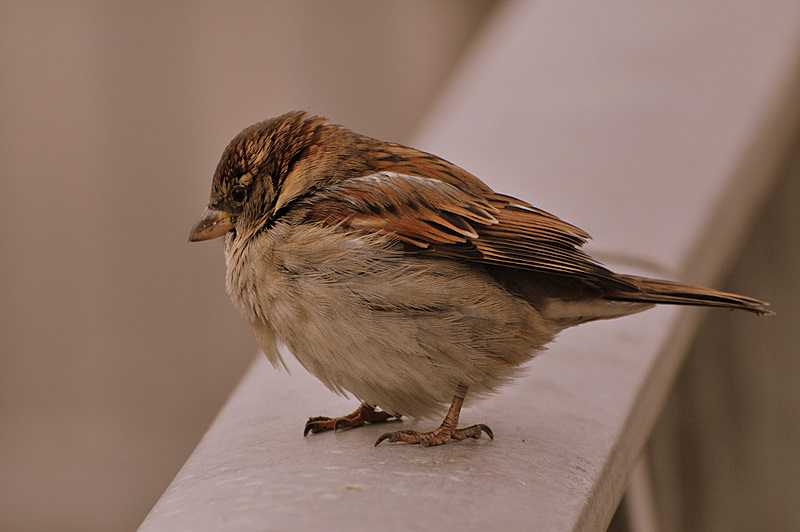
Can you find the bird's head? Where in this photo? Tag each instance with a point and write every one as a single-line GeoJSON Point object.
{"type": "Point", "coordinates": [252, 181]}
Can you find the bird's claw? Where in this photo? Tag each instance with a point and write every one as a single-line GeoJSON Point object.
{"type": "Point", "coordinates": [438, 436]}
{"type": "Point", "coordinates": [365, 414]}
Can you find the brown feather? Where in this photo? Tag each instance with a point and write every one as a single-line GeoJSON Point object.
{"type": "Point", "coordinates": [436, 218]}
{"type": "Point", "coordinates": [440, 218]}
{"type": "Point", "coordinates": [658, 291]}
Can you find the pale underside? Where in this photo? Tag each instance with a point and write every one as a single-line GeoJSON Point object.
{"type": "Point", "coordinates": [397, 332]}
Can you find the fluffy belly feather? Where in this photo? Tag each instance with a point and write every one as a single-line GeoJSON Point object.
{"type": "Point", "coordinates": [396, 331]}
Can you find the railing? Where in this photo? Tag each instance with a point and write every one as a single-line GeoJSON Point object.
{"type": "Point", "coordinates": [657, 129]}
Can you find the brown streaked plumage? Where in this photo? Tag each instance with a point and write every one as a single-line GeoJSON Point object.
{"type": "Point", "coordinates": [400, 278]}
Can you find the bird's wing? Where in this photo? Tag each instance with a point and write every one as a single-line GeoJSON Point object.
{"type": "Point", "coordinates": [437, 218]}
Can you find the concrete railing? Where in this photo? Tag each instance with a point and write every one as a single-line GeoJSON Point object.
{"type": "Point", "coordinates": [656, 128]}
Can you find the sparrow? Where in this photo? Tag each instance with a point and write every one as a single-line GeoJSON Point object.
{"type": "Point", "coordinates": [400, 278]}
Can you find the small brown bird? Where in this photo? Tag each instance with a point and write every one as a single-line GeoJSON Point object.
{"type": "Point", "coordinates": [399, 277]}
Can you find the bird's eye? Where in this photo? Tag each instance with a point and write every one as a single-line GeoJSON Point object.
{"type": "Point", "coordinates": [238, 193]}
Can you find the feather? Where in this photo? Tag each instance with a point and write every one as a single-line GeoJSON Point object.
{"type": "Point", "coordinates": [440, 219]}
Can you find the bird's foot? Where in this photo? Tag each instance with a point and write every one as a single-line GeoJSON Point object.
{"type": "Point", "coordinates": [363, 415]}
{"type": "Point", "coordinates": [438, 436]}
{"type": "Point", "coordinates": [447, 431]}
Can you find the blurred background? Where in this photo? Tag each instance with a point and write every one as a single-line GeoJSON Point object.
{"type": "Point", "coordinates": [117, 341]}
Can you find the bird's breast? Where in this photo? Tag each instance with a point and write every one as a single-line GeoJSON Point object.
{"type": "Point", "coordinates": [398, 331]}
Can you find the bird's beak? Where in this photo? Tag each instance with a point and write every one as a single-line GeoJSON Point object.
{"type": "Point", "coordinates": [212, 224]}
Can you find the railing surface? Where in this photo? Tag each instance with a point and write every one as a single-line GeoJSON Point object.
{"type": "Point", "coordinates": [654, 127]}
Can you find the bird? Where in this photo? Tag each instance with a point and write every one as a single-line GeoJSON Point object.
{"type": "Point", "coordinates": [400, 278]}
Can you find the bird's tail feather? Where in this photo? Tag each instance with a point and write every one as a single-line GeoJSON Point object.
{"type": "Point", "coordinates": [658, 291]}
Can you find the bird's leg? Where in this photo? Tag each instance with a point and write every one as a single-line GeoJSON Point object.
{"type": "Point", "coordinates": [446, 431]}
{"type": "Point", "coordinates": [364, 414]}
